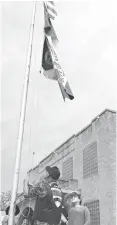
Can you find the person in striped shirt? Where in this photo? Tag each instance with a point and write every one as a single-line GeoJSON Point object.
{"type": "Point", "coordinates": [48, 207]}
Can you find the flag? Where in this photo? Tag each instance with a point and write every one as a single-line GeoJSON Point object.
{"type": "Point", "coordinates": [62, 79]}
{"type": "Point", "coordinates": [47, 62]}
{"type": "Point", "coordinates": [66, 91]}
{"type": "Point", "coordinates": [53, 70]}
{"type": "Point", "coordinates": [50, 64]}
{"type": "Point", "coordinates": [48, 28]}
{"type": "Point", "coordinates": [51, 9]}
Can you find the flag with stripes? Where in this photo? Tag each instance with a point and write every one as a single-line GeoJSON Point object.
{"type": "Point", "coordinates": [48, 28]}
{"type": "Point", "coordinates": [52, 69]}
{"type": "Point", "coordinates": [51, 9]}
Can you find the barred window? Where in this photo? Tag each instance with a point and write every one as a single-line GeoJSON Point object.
{"type": "Point", "coordinates": [67, 169]}
{"type": "Point", "coordinates": [90, 160]}
{"type": "Point", "coordinates": [26, 222]}
{"type": "Point", "coordinates": [37, 223]}
{"type": "Point", "coordinates": [94, 210]}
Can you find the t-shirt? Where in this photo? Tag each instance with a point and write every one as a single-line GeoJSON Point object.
{"type": "Point", "coordinates": [79, 215]}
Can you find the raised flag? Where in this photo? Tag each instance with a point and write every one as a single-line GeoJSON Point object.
{"type": "Point", "coordinates": [61, 77]}
{"type": "Point", "coordinates": [53, 70]}
{"type": "Point", "coordinates": [48, 28]}
{"type": "Point", "coordinates": [47, 62]}
{"type": "Point", "coordinates": [51, 9]}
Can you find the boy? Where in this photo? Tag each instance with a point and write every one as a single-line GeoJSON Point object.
{"type": "Point", "coordinates": [77, 213]}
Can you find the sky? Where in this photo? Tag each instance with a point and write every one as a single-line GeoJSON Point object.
{"type": "Point", "coordinates": [87, 48]}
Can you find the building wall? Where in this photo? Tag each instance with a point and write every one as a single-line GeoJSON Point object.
{"type": "Point", "coordinates": [107, 168]}
{"type": "Point", "coordinates": [92, 154]}
{"type": "Point", "coordinates": [100, 186]}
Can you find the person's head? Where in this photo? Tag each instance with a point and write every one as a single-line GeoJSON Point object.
{"type": "Point", "coordinates": [71, 200]}
{"type": "Point", "coordinates": [52, 173]}
{"type": "Point", "coordinates": [75, 199]}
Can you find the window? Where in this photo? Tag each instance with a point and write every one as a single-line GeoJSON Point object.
{"type": "Point", "coordinates": [94, 210]}
{"type": "Point", "coordinates": [67, 169]}
{"type": "Point", "coordinates": [26, 222]}
{"type": "Point", "coordinates": [37, 222]}
{"type": "Point", "coordinates": [90, 161]}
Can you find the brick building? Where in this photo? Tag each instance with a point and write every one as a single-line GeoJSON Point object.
{"type": "Point", "coordinates": [90, 157]}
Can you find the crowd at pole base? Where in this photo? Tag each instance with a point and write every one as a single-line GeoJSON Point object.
{"type": "Point", "coordinates": [51, 205]}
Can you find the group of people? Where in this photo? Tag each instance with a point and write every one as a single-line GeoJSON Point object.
{"type": "Point", "coordinates": [51, 207]}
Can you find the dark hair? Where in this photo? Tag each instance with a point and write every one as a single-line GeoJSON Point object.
{"type": "Point", "coordinates": [71, 195]}
{"type": "Point", "coordinates": [53, 172]}
{"type": "Point", "coordinates": [17, 210]}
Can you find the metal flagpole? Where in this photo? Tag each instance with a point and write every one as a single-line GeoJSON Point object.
{"type": "Point", "coordinates": [22, 120]}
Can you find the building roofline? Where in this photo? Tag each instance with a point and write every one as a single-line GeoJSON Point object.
{"type": "Point", "coordinates": [64, 142]}
{"type": "Point", "coordinates": [105, 110]}
{"type": "Point", "coordinates": [84, 128]}
{"type": "Point", "coordinates": [52, 152]}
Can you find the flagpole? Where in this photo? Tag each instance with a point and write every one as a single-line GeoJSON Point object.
{"type": "Point", "coordinates": [22, 120]}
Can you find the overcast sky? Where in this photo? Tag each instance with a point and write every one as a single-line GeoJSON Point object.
{"type": "Point", "coordinates": [87, 51]}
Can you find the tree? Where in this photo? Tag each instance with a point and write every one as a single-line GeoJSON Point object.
{"type": "Point", "coordinates": [5, 198]}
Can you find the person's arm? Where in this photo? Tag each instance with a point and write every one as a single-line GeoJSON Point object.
{"type": "Point", "coordinates": [87, 216]}
{"type": "Point", "coordinates": [40, 189]}
{"type": "Point", "coordinates": [64, 221]}
{"type": "Point", "coordinates": [64, 216]}
{"type": "Point", "coordinates": [64, 212]}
